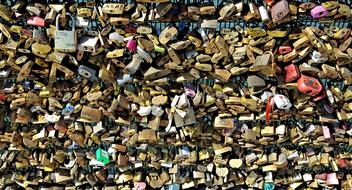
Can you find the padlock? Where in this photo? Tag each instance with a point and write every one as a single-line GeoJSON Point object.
{"type": "Point", "coordinates": [39, 36]}
{"type": "Point", "coordinates": [282, 102]}
{"type": "Point", "coordinates": [309, 85]}
{"type": "Point", "coordinates": [207, 7]}
{"type": "Point", "coordinates": [318, 58]}
{"type": "Point", "coordinates": [279, 11]}
{"type": "Point", "coordinates": [82, 22]}
{"type": "Point", "coordinates": [292, 73]}
{"type": "Point", "coordinates": [5, 12]}
{"type": "Point", "coordinates": [264, 15]}
{"type": "Point", "coordinates": [318, 12]}
{"type": "Point", "coordinates": [36, 21]}
{"type": "Point", "coordinates": [65, 41]}
{"type": "Point", "coordinates": [88, 44]}
{"type": "Point", "coordinates": [284, 49]}
{"type": "Point", "coordinates": [87, 72]}
{"type": "Point", "coordinates": [113, 8]}
{"type": "Point", "coordinates": [131, 45]}
{"type": "Point", "coordinates": [167, 34]}
{"type": "Point", "coordinates": [227, 10]}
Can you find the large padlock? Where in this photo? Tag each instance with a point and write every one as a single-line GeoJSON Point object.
{"type": "Point", "coordinates": [309, 85]}
{"type": "Point", "coordinates": [65, 41]}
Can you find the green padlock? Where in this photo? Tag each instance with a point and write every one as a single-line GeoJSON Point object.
{"type": "Point", "coordinates": [102, 156]}
{"type": "Point", "coordinates": [159, 49]}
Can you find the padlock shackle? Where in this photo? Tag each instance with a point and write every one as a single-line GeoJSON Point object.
{"type": "Point", "coordinates": [57, 21]}
{"type": "Point", "coordinates": [273, 65]}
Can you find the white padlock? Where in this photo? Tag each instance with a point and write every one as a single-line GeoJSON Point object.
{"type": "Point", "coordinates": [282, 102]}
{"type": "Point", "coordinates": [266, 95]}
{"type": "Point", "coordinates": [264, 14]}
{"type": "Point", "coordinates": [318, 58]}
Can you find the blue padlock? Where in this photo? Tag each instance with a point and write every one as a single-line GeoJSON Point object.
{"type": "Point", "coordinates": [67, 110]}
{"type": "Point", "coordinates": [174, 186]}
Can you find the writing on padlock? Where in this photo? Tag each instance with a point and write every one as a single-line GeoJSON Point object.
{"type": "Point", "coordinates": [65, 41]}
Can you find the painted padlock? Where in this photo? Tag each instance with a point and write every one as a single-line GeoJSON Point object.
{"type": "Point", "coordinates": [309, 85]}
{"type": "Point", "coordinates": [132, 45]}
{"type": "Point", "coordinates": [282, 102]}
{"type": "Point", "coordinates": [318, 12]}
{"type": "Point", "coordinates": [284, 50]}
{"type": "Point", "coordinates": [292, 73]}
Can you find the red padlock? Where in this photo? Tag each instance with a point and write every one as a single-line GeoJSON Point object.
{"type": "Point", "coordinates": [36, 21]}
{"type": "Point", "coordinates": [309, 85]}
{"type": "Point", "coordinates": [292, 73]}
{"type": "Point", "coordinates": [2, 96]}
{"type": "Point", "coordinates": [284, 49]}
{"type": "Point", "coordinates": [269, 2]}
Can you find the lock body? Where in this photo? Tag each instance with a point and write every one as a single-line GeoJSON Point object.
{"type": "Point", "coordinates": [309, 85]}
{"type": "Point", "coordinates": [88, 44]}
{"type": "Point", "coordinates": [318, 12]}
{"type": "Point", "coordinates": [282, 102]}
{"type": "Point", "coordinates": [131, 45]}
{"type": "Point", "coordinates": [65, 41]}
{"type": "Point", "coordinates": [292, 73]}
{"type": "Point", "coordinates": [284, 49]}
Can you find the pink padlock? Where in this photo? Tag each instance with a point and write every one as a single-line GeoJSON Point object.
{"type": "Point", "coordinates": [131, 45]}
{"type": "Point", "coordinates": [326, 132]}
{"type": "Point", "coordinates": [318, 12]}
{"type": "Point", "coordinates": [36, 21]}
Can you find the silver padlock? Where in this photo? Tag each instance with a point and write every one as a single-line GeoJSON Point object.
{"type": "Point", "coordinates": [65, 41]}
{"type": "Point", "coordinates": [87, 72]}
{"type": "Point", "coordinates": [88, 44]}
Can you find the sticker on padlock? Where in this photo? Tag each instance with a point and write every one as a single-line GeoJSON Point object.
{"type": "Point", "coordinates": [318, 12]}
{"type": "Point", "coordinates": [65, 41]}
{"type": "Point", "coordinates": [282, 102]}
{"type": "Point", "coordinates": [88, 44]}
{"type": "Point", "coordinates": [309, 85]}
{"type": "Point", "coordinates": [87, 72]}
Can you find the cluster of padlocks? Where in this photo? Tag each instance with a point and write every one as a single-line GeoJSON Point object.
{"type": "Point", "coordinates": [95, 96]}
